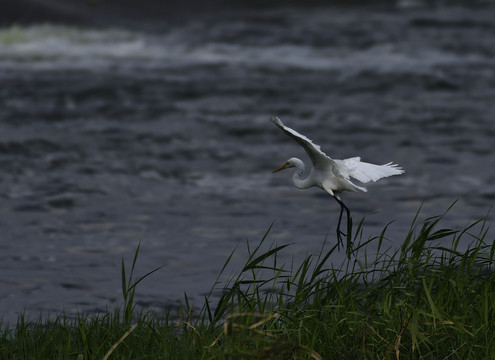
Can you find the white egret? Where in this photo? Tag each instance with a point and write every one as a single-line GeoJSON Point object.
{"type": "Point", "coordinates": [332, 175]}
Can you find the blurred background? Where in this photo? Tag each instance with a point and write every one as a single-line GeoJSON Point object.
{"type": "Point", "coordinates": [124, 122]}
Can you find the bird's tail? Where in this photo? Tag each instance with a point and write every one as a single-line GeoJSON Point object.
{"type": "Point", "coordinates": [366, 172]}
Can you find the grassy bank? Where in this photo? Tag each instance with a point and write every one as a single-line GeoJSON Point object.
{"type": "Point", "coordinates": [423, 300]}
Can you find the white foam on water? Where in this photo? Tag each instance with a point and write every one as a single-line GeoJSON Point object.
{"type": "Point", "coordinates": [55, 47]}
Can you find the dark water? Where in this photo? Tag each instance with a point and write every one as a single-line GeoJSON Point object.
{"type": "Point", "coordinates": [111, 136]}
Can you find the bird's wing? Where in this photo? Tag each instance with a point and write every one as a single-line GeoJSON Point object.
{"type": "Point", "coordinates": [319, 158]}
{"type": "Point", "coordinates": [366, 172]}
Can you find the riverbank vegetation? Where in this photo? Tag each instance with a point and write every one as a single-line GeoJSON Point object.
{"type": "Point", "coordinates": [431, 298]}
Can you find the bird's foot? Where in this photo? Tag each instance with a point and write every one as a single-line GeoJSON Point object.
{"type": "Point", "coordinates": [340, 240]}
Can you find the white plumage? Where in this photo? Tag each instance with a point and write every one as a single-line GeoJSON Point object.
{"type": "Point", "coordinates": [332, 175]}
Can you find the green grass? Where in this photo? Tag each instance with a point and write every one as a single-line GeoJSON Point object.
{"type": "Point", "coordinates": [425, 300]}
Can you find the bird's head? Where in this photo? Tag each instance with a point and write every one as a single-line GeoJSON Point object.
{"type": "Point", "coordinates": [288, 164]}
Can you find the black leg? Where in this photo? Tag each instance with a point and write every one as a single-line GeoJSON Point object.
{"type": "Point", "coordinates": [340, 233]}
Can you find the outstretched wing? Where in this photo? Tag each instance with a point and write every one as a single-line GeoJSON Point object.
{"type": "Point", "coordinates": [366, 172]}
{"type": "Point", "coordinates": [319, 158]}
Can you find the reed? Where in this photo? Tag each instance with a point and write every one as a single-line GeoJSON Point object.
{"type": "Point", "coordinates": [426, 299]}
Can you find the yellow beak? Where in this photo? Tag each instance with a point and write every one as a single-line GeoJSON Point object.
{"type": "Point", "coordinates": [284, 166]}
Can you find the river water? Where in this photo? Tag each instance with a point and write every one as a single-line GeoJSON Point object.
{"type": "Point", "coordinates": [111, 136]}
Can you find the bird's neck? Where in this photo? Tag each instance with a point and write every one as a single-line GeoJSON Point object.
{"type": "Point", "coordinates": [298, 178]}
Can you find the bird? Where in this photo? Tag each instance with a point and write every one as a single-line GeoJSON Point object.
{"type": "Point", "coordinates": [333, 175]}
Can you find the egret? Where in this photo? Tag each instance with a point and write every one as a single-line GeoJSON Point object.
{"type": "Point", "coordinates": [332, 175]}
